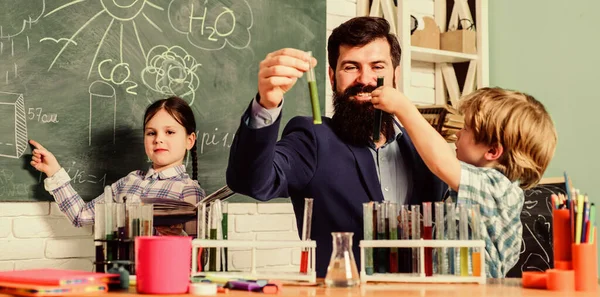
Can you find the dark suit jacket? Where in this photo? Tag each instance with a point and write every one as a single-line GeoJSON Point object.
{"type": "Point", "coordinates": [311, 161]}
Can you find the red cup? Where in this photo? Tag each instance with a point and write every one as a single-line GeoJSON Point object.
{"type": "Point", "coordinates": [585, 264]}
{"type": "Point", "coordinates": [163, 264]}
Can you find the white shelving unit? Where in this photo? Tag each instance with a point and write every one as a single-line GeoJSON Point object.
{"type": "Point", "coordinates": [310, 276]}
{"type": "Point", "coordinates": [446, 84]}
{"type": "Point", "coordinates": [421, 277]}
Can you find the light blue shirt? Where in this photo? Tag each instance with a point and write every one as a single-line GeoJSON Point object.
{"type": "Point", "coordinates": [391, 169]}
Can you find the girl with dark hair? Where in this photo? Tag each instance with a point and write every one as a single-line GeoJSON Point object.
{"type": "Point", "coordinates": [169, 132]}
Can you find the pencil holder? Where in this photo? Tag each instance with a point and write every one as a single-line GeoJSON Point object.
{"type": "Point", "coordinates": [560, 280]}
{"type": "Point", "coordinates": [561, 239]}
{"type": "Point", "coordinates": [585, 265]}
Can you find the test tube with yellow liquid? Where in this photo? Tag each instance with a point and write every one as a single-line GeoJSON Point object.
{"type": "Point", "coordinates": [463, 234]}
{"type": "Point", "coordinates": [314, 93]}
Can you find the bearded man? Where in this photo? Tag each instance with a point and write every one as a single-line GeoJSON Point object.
{"type": "Point", "coordinates": [336, 163]}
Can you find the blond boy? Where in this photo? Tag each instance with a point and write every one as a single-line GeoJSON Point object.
{"type": "Point", "coordinates": [505, 146]}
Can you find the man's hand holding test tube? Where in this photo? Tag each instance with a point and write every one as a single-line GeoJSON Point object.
{"type": "Point", "coordinates": [278, 73]}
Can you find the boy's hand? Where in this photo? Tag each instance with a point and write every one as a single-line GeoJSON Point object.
{"type": "Point", "coordinates": [43, 160]}
{"type": "Point", "coordinates": [388, 99]}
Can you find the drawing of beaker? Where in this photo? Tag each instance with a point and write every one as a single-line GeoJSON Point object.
{"type": "Point", "coordinates": [342, 271]}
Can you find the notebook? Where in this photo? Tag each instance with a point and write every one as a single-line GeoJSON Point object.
{"type": "Point", "coordinates": [55, 277]}
{"type": "Point", "coordinates": [37, 290]}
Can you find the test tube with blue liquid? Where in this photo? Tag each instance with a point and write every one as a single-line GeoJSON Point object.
{"type": "Point", "coordinates": [314, 94]}
{"type": "Point", "coordinates": [451, 235]}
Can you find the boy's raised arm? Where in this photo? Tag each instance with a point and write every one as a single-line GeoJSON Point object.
{"type": "Point", "coordinates": [430, 145]}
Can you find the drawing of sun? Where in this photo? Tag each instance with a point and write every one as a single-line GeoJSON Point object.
{"type": "Point", "coordinates": [125, 12]}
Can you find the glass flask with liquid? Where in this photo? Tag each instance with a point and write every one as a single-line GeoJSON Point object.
{"type": "Point", "coordinates": [342, 271]}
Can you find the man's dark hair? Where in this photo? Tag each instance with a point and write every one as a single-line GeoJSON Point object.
{"type": "Point", "coordinates": [360, 31]}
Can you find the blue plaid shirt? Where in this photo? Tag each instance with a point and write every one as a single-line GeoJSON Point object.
{"type": "Point", "coordinates": [500, 204]}
{"type": "Point", "coordinates": [172, 183]}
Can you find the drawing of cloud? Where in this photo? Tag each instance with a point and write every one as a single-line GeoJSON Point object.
{"type": "Point", "coordinates": [171, 71]}
{"type": "Point", "coordinates": [16, 17]}
{"type": "Point", "coordinates": [212, 24]}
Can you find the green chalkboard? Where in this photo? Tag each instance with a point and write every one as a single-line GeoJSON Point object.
{"type": "Point", "coordinates": [77, 75]}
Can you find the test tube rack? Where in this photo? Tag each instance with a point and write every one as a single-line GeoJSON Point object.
{"type": "Point", "coordinates": [310, 276]}
{"type": "Point", "coordinates": [421, 244]}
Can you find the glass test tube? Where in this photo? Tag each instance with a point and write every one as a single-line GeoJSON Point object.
{"type": "Point", "coordinates": [306, 232]}
{"type": "Point", "coordinates": [428, 234]}
{"type": "Point", "coordinates": [375, 223]}
{"type": "Point", "coordinates": [214, 214]}
{"type": "Point", "coordinates": [415, 225]}
{"type": "Point", "coordinates": [120, 232]}
{"type": "Point", "coordinates": [134, 214]}
{"type": "Point", "coordinates": [314, 94]}
{"type": "Point", "coordinates": [441, 264]}
{"type": "Point", "coordinates": [393, 235]}
{"type": "Point", "coordinates": [109, 226]}
{"type": "Point", "coordinates": [147, 219]}
{"type": "Point", "coordinates": [463, 228]}
{"type": "Point", "coordinates": [451, 235]}
{"type": "Point", "coordinates": [405, 253]}
{"type": "Point", "coordinates": [99, 234]}
{"type": "Point", "coordinates": [382, 257]}
{"type": "Point", "coordinates": [224, 228]}
{"type": "Point", "coordinates": [368, 235]}
{"type": "Point", "coordinates": [476, 234]}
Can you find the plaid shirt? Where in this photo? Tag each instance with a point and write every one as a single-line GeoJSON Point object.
{"type": "Point", "coordinates": [500, 205]}
{"type": "Point", "coordinates": [172, 183]}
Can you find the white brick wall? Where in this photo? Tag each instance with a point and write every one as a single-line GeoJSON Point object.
{"type": "Point", "coordinates": [33, 236]}
{"type": "Point", "coordinates": [37, 235]}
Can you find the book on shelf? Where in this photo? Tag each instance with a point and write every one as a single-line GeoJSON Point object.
{"type": "Point", "coordinates": [171, 211]}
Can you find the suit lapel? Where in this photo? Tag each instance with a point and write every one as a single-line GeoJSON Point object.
{"type": "Point", "coordinates": [368, 171]}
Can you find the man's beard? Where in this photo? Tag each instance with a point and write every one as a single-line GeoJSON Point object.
{"type": "Point", "coordinates": [353, 120]}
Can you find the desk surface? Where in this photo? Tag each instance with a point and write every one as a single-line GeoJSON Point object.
{"type": "Point", "coordinates": [505, 287]}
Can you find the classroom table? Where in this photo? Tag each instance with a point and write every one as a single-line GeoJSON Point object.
{"type": "Point", "coordinates": [494, 287]}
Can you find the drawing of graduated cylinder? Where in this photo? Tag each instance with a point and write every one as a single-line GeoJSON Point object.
{"type": "Point", "coordinates": [13, 119]}
{"type": "Point", "coordinates": [103, 111]}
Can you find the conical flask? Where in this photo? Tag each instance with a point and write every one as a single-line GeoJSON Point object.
{"type": "Point", "coordinates": [342, 271]}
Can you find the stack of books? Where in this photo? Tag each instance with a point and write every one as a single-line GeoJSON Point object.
{"type": "Point", "coordinates": [445, 119]}
{"type": "Point", "coordinates": [169, 212]}
{"type": "Point", "coordinates": [55, 282]}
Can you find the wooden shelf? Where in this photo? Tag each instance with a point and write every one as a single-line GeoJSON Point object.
{"type": "Point", "coordinates": [439, 56]}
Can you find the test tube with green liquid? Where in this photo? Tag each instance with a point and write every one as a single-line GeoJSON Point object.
{"type": "Point", "coordinates": [463, 234]}
{"type": "Point", "coordinates": [314, 94]}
